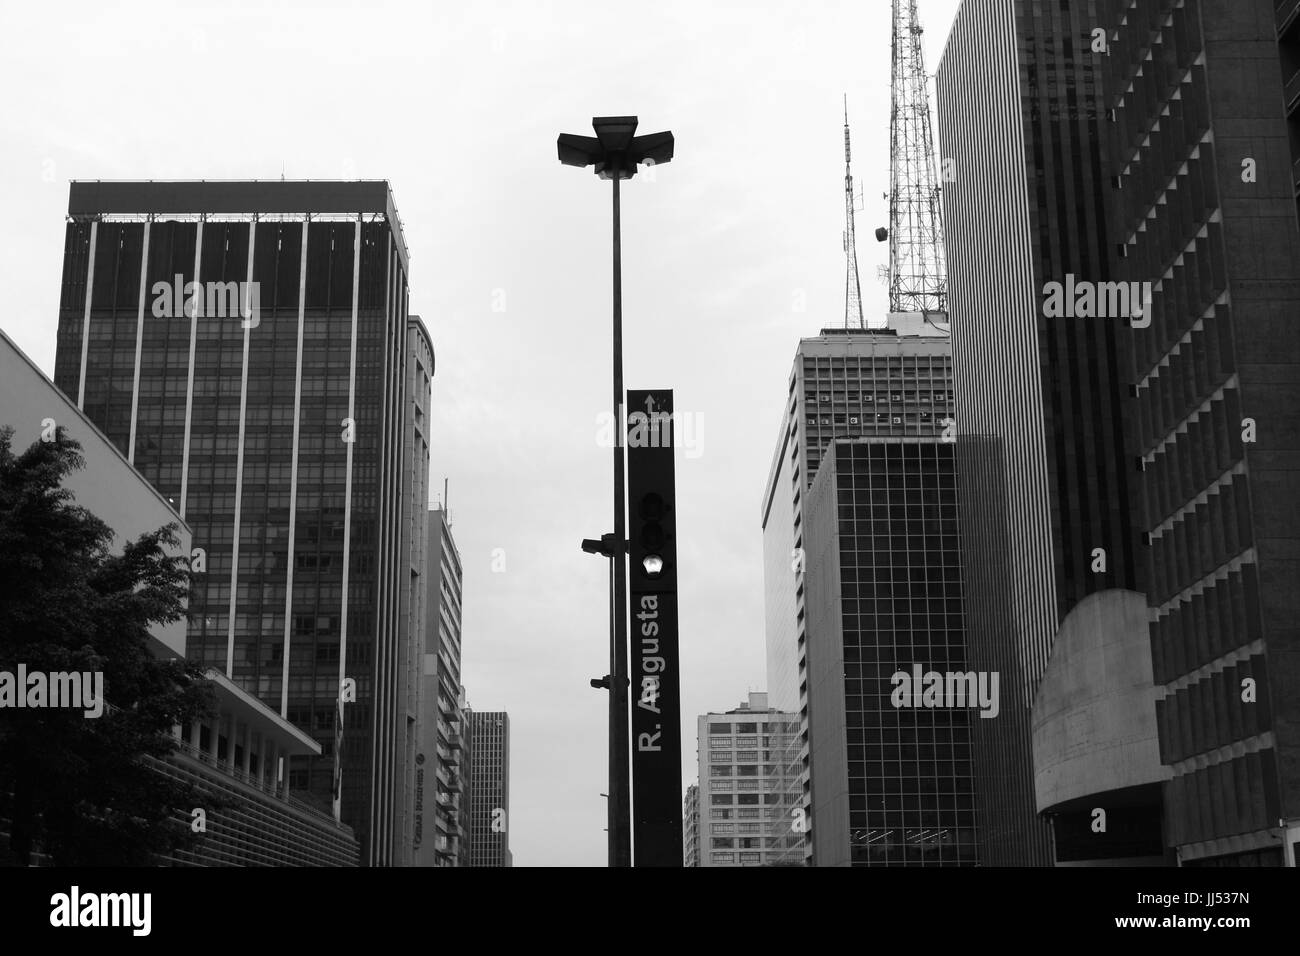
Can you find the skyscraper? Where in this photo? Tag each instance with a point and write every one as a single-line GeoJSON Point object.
{"type": "Point", "coordinates": [893, 382]}
{"type": "Point", "coordinates": [891, 767]}
{"type": "Point", "coordinates": [1203, 208]}
{"type": "Point", "coordinates": [1040, 410]}
{"type": "Point", "coordinates": [441, 721]}
{"type": "Point", "coordinates": [247, 346]}
{"type": "Point", "coordinates": [490, 789]}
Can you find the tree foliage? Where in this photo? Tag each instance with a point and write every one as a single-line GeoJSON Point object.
{"type": "Point", "coordinates": [83, 790]}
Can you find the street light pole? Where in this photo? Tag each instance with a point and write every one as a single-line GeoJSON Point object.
{"type": "Point", "coordinates": [615, 152]}
{"type": "Point", "coordinates": [620, 804]}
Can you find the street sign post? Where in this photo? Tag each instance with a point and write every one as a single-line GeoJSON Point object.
{"type": "Point", "coordinates": [655, 692]}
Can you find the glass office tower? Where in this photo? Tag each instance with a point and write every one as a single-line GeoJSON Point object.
{"type": "Point", "coordinates": [269, 405]}
{"type": "Point", "coordinates": [891, 785]}
{"type": "Point", "coordinates": [489, 806]}
{"type": "Point", "coordinates": [883, 383]}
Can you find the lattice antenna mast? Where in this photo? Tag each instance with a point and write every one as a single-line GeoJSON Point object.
{"type": "Point", "coordinates": [917, 275]}
{"type": "Point", "coordinates": [852, 285]}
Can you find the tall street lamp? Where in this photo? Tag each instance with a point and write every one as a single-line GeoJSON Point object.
{"type": "Point", "coordinates": [615, 152]}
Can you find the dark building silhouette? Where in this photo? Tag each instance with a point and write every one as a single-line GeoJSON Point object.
{"type": "Point", "coordinates": [1044, 476]}
{"type": "Point", "coordinates": [271, 410]}
{"type": "Point", "coordinates": [891, 785]}
{"type": "Point", "coordinates": [489, 788]}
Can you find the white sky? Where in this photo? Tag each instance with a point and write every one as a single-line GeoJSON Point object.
{"type": "Point", "coordinates": [458, 106]}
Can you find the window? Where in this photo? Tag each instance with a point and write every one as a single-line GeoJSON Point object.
{"type": "Point", "coordinates": [747, 728]}
{"type": "Point", "coordinates": [722, 857]}
{"type": "Point", "coordinates": [719, 728]}
{"type": "Point", "coordinates": [723, 843]}
{"type": "Point", "coordinates": [747, 755]}
{"type": "Point", "coordinates": [719, 771]}
{"type": "Point", "coordinates": [724, 827]}
{"type": "Point", "coordinates": [719, 743]}
{"type": "Point", "coordinates": [721, 798]}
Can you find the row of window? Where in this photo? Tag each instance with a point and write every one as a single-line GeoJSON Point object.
{"type": "Point", "coordinates": [869, 398]}
{"type": "Point", "coordinates": [744, 799]}
{"type": "Point", "coordinates": [744, 813]}
{"type": "Point", "coordinates": [739, 728]}
{"type": "Point", "coordinates": [735, 828]}
{"type": "Point", "coordinates": [744, 843]}
{"type": "Point", "coordinates": [746, 770]}
{"type": "Point", "coordinates": [882, 418]}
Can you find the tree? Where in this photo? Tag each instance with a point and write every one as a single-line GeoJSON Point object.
{"type": "Point", "coordinates": [82, 788]}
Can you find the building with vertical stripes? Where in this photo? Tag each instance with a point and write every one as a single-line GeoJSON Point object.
{"type": "Point", "coordinates": [1045, 482]}
{"type": "Point", "coordinates": [248, 347]}
{"type": "Point", "coordinates": [489, 801]}
{"type": "Point", "coordinates": [885, 383]}
{"type": "Point", "coordinates": [1202, 138]}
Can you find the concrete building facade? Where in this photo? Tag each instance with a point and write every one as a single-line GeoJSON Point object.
{"type": "Point", "coordinates": [441, 708]}
{"type": "Point", "coordinates": [1203, 210]}
{"type": "Point", "coordinates": [691, 826]}
{"type": "Point", "coordinates": [240, 754]}
{"type": "Point", "coordinates": [738, 798]}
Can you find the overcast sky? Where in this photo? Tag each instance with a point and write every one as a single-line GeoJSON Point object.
{"type": "Point", "coordinates": [731, 254]}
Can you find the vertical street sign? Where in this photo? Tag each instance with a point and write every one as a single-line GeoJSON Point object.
{"type": "Point", "coordinates": [655, 691]}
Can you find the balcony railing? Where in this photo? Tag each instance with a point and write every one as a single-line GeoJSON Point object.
{"type": "Point", "coordinates": [272, 789]}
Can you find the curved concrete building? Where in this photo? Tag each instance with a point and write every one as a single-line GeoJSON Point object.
{"type": "Point", "coordinates": [1097, 769]}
